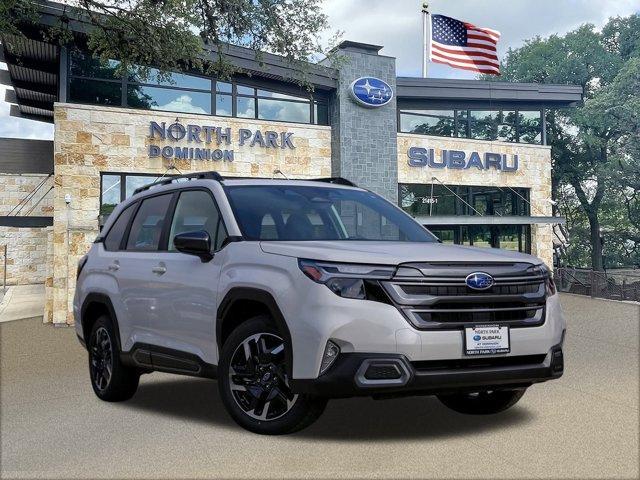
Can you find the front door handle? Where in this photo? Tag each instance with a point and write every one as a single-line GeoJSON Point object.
{"type": "Point", "coordinates": [159, 270]}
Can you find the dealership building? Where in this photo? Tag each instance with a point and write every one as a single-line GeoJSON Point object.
{"type": "Point", "coordinates": [468, 159]}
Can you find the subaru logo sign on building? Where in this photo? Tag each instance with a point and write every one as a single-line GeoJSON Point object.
{"type": "Point", "coordinates": [371, 92]}
{"type": "Point", "coordinates": [479, 281]}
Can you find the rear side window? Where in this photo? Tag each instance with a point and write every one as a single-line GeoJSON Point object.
{"type": "Point", "coordinates": [146, 228]}
{"type": "Point", "coordinates": [114, 237]}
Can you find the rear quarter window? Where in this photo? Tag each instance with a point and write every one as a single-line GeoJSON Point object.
{"type": "Point", "coordinates": [114, 237]}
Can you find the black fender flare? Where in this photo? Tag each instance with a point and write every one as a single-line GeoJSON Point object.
{"type": "Point", "coordinates": [105, 301]}
{"type": "Point", "coordinates": [265, 298]}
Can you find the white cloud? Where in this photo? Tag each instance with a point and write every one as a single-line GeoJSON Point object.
{"type": "Point", "coordinates": [184, 103]}
{"type": "Point", "coordinates": [397, 25]}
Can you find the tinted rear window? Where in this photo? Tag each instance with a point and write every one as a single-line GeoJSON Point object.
{"type": "Point", "coordinates": [114, 237]}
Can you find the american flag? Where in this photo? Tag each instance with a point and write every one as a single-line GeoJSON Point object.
{"type": "Point", "coordinates": [463, 45]}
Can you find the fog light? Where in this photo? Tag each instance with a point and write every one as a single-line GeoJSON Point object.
{"type": "Point", "coordinates": [331, 352]}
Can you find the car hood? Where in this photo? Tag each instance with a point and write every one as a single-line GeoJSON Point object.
{"type": "Point", "coordinates": [392, 253]}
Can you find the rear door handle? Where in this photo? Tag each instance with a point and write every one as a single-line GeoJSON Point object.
{"type": "Point", "coordinates": [113, 267]}
{"type": "Point", "coordinates": [159, 270]}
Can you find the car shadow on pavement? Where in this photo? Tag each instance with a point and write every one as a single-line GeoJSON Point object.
{"type": "Point", "coordinates": [362, 419]}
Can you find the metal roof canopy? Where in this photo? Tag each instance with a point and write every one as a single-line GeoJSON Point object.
{"type": "Point", "coordinates": [412, 92]}
{"type": "Point", "coordinates": [488, 220]}
{"type": "Point", "coordinates": [21, 155]}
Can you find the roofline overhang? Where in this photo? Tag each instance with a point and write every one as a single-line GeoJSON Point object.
{"type": "Point", "coordinates": [411, 90]}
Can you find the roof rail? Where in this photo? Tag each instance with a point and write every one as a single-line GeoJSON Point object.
{"type": "Point", "coordinates": [335, 180]}
{"type": "Point", "coordinates": [189, 176]}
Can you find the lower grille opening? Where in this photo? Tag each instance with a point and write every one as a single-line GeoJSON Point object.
{"type": "Point", "coordinates": [471, 363]}
{"type": "Point", "coordinates": [478, 317]}
{"type": "Point", "coordinates": [382, 372]}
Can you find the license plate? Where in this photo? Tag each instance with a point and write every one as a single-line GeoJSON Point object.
{"type": "Point", "coordinates": [486, 340]}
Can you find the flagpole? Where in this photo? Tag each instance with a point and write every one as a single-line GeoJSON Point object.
{"type": "Point", "coordinates": [426, 37]}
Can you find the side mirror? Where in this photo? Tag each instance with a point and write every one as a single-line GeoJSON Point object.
{"type": "Point", "coordinates": [194, 243]}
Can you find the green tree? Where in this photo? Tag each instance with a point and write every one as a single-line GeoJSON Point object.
{"type": "Point", "coordinates": [594, 146]}
{"type": "Point", "coordinates": [172, 35]}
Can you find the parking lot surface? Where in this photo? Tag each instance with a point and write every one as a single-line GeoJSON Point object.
{"type": "Point", "coordinates": [584, 425]}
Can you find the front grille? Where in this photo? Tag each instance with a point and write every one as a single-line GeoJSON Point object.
{"type": "Point", "coordinates": [464, 290]}
{"type": "Point", "coordinates": [442, 300]}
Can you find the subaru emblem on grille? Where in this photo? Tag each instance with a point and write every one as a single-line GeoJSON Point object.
{"type": "Point", "coordinates": [479, 281]}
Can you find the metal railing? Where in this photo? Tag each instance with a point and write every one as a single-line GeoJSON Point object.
{"type": "Point", "coordinates": [615, 285]}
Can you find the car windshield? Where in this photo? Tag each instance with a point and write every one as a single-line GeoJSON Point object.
{"type": "Point", "coordinates": [286, 212]}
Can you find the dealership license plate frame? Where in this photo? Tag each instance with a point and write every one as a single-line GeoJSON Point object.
{"type": "Point", "coordinates": [473, 348]}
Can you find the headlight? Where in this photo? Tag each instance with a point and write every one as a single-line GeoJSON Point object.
{"type": "Point", "coordinates": [349, 280]}
{"type": "Point", "coordinates": [544, 270]}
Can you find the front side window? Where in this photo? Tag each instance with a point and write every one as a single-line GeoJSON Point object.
{"type": "Point", "coordinates": [196, 211]}
{"type": "Point", "coordinates": [301, 213]}
{"type": "Point", "coordinates": [146, 229]}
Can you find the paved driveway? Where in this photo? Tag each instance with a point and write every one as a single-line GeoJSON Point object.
{"type": "Point", "coordinates": [584, 425]}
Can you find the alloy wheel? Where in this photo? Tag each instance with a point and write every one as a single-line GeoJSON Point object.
{"type": "Point", "coordinates": [101, 359]}
{"type": "Point", "coordinates": [258, 379]}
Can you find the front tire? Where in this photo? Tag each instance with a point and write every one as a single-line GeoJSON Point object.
{"type": "Point", "coordinates": [111, 380]}
{"type": "Point", "coordinates": [254, 385]}
{"type": "Point", "coordinates": [482, 403]}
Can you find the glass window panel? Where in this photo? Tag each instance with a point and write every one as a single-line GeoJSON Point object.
{"type": "Point", "coordinates": [463, 123]}
{"type": "Point", "coordinates": [267, 93]}
{"type": "Point", "coordinates": [241, 89]}
{"type": "Point", "coordinates": [245, 107]}
{"type": "Point", "coordinates": [506, 121]}
{"type": "Point", "coordinates": [136, 181]}
{"type": "Point", "coordinates": [428, 122]}
{"type": "Point", "coordinates": [484, 125]}
{"type": "Point", "coordinates": [95, 92]}
{"type": "Point", "coordinates": [530, 129]}
{"type": "Point", "coordinates": [223, 87]}
{"type": "Point", "coordinates": [110, 193]}
{"type": "Point", "coordinates": [114, 237]}
{"type": "Point", "coordinates": [146, 228]}
{"type": "Point", "coordinates": [195, 211]}
{"type": "Point", "coordinates": [283, 111]}
{"type": "Point", "coordinates": [481, 236]}
{"type": "Point", "coordinates": [152, 75]}
{"type": "Point", "coordinates": [85, 65]}
{"type": "Point", "coordinates": [446, 235]}
{"type": "Point", "coordinates": [223, 105]}
{"type": "Point", "coordinates": [156, 98]}
{"type": "Point", "coordinates": [321, 113]}
{"type": "Point", "coordinates": [509, 237]}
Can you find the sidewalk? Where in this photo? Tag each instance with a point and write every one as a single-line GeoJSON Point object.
{"type": "Point", "coordinates": [22, 301]}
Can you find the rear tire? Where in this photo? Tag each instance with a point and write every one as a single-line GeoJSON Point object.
{"type": "Point", "coordinates": [482, 403]}
{"type": "Point", "coordinates": [254, 385]}
{"type": "Point", "coordinates": [111, 380]}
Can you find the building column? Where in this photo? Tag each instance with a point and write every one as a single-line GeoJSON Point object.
{"type": "Point", "coordinates": [364, 140]}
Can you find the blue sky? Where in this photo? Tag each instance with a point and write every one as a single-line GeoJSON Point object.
{"type": "Point", "coordinates": [397, 24]}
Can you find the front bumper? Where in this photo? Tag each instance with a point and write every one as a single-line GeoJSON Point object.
{"type": "Point", "coordinates": [379, 375]}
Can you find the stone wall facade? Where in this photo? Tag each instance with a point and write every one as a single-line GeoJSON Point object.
{"type": "Point", "coordinates": [534, 173]}
{"type": "Point", "coordinates": [26, 247]}
{"type": "Point", "coordinates": [364, 139]}
{"type": "Point", "coordinates": [89, 140]}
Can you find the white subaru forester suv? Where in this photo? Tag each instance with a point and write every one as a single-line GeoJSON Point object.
{"type": "Point", "coordinates": [293, 292]}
